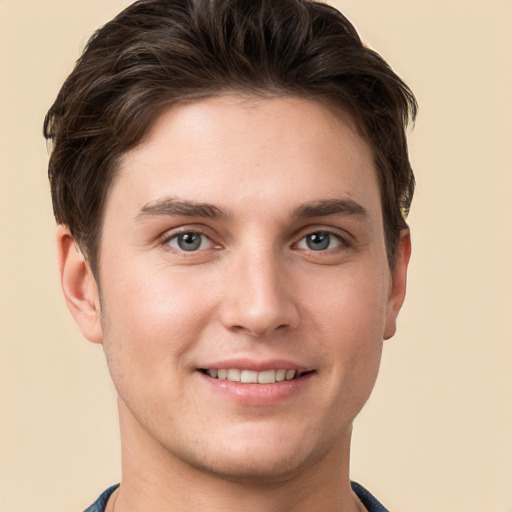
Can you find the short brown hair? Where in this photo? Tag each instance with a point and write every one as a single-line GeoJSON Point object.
{"type": "Point", "coordinates": [158, 52]}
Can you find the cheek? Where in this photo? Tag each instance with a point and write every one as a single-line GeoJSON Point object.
{"type": "Point", "coordinates": [349, 312]}
{"type": "Point", "coordinates": [351, 303]}
{"type": "Point", "coordinates": [154, 315]}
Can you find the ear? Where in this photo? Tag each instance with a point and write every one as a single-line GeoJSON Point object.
{"type": "Point", "coordinates": [398, 283]}
{"type": "Point", "coordinates": [79, 286]}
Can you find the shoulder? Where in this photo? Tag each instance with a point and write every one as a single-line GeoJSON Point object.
{"type": "Point", "coordinates": [101, 502]}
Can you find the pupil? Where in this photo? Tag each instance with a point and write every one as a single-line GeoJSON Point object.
{"type": "Point", "coordinates": [189, 241]}
{"type": "Point", "coordinates": [318, 241]}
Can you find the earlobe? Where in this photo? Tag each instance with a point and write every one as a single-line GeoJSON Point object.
{"type": "Point", "coordinates": [398, 283]}
{"type": "Point", "coordinates": [79, 286]}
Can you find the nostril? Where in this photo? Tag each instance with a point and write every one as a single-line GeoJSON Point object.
{"type": "Point", "coordinates": [257, 330]}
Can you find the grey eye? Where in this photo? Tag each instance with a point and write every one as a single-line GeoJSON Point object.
{"type": "Point", "coordinates": [188, 241]}
{"type": "Point", "coordinates": [319, 241]}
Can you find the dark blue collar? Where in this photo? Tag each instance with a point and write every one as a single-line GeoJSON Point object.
{"type": "Point", "coordinates": [367, 499]}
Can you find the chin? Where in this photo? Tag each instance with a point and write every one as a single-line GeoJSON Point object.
{"type": "Point", "coordinates": [256, 470]}
{"type": "Point", "coordinates": [259, 459]}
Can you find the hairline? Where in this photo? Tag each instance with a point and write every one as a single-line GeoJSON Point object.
{"type": "Point", "coordinates": [338, 111]}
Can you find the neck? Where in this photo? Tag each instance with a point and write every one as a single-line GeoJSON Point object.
{"type": "Point", "coordinates": [157, 480]}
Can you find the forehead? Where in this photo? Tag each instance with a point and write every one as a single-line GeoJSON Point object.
{"type": "Point", "coordinates": [239, 149]}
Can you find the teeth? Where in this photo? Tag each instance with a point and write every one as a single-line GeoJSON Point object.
{"type": "Point", "coordinates": [234, 375]}
{"type": "Point", "coordinates": [290, 374]}
{"type": "Point", "coordinates": [280, 375]}
{"type": "Point", "coordinates": [249, 376]}
{"type": "Point", "coordinates": [253, 377]}
{"type": "Point", "coordinates": [267, 377]}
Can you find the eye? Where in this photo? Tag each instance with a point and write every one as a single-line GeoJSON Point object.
{"type": "Point", "coordinates": [189, 241]}
{"type": "Point", "coordinates": [320, 241]}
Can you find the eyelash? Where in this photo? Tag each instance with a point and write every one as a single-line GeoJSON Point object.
{"type": "Point", "coordinates": [343, 241]}
{"type": "Point", "coordinates": [166, 240]}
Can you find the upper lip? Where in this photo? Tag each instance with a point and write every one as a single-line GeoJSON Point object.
{"type": "Point", "coordinates": [256, 365]}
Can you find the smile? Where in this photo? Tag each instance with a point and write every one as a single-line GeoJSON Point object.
{"type": "Point", "coordinates": [251, 376]}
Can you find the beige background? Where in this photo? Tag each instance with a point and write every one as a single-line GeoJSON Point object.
{"type": "Point", "coordinates": [436, 435]}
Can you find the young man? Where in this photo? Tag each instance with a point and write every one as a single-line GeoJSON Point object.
{"type": "Point", "coordinates": [230, 180]}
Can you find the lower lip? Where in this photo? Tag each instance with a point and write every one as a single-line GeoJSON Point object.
{"type": "Point", "coordinates": [258, 394]}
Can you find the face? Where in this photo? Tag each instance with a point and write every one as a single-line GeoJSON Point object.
{"type": "Point", "coordinates": [245, 289]}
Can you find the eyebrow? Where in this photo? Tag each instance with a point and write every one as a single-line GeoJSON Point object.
{"type": "Point", "coordinates": [171, 206]}
{"type": "Point", "coordinates": [331, 207]}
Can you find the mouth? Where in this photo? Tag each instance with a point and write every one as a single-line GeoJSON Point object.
{"type": "Point", "coordinates": [252, 383]}
{"type": "Point", "coordinates": [252, 376]}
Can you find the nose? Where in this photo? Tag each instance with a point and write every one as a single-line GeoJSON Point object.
{"type": "Point", "coordinates": [258, 298]}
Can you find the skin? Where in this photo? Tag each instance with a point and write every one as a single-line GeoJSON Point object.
{"type": "Point", "coordinates": [256, 289]}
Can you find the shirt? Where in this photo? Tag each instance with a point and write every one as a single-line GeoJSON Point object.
{"type": "Point", "coordinates": [369, 501]}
